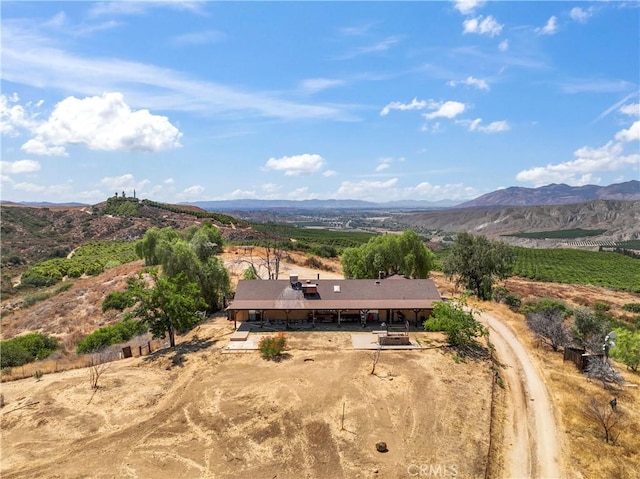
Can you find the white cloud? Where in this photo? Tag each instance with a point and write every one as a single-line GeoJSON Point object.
{"type": "Point", "coordinates": [493, 127]}
{"type": "Point", "coordinates": [467, 6]}
{"type": "Point", "coordinates": [314, 85]}
{"type": "Point", "coordinates": [427, 191]}
{"type": "Point", "coordinates": [191, 193]}
{"type": "Point", "coordinates": [302, 193]}
{"type": "Point", "coordinates": [169, 181]}
{"type": "Point", "coordinates": [580, 14]}
{"type": "Point", "coordinates": [297, 165]}
{"type": "Point", "coordinates": [550, 28]}
{"type": "Point", "coordinates": [384, 163]}
{"type": "Point", "coordinates": [503, 46]}
{"type": "Point", "coordinates": [632, 109]}
{"type": "Point", "coordinates": [329, 173]}
{"type": "Point", "coordinates": [102, 123]}
{"type": "Point", "coordinates": [5, 180]}
{"type": "Point", "coordinates": [631, 134]}
{"type": "Point", "coordinates": [415, 104]}
{"type": "Point", "coordinates": [448, 109]}
{"type": "Point", "coordinates": [19, 167]}
{"type": "Point", "coordinates": [471, 81]}
{"type": "Point", "coordinates": [580, 171]}
{"type": "Point", "coordinates": [270, 188]}
{"type": "Point", "coordinates": [482, 26]}
{"type": "Point", "coordinates": [239, 194]}
{"type": "Point", "coordinates": [126, 182]}
{"type": "Point", "coordinates": [38, 147]}
{"type": "Point", "coordinates": [14, 116]}
{"type": "Point", "coordinates": [364, 189]}
{"type": "Point", "coordinates": [60, 189]}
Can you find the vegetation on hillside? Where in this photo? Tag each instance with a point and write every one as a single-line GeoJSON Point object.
{"type": "Point", "coordinates": [25, 349]}
{"type": "Point", "coordinates": [320, 242]}
{"type": "Point", "coordinates": [558, 234]}
{"type": "Point", "coordinates": [90, 259]}
{"type": "Point", "coordinates": [108, 335]}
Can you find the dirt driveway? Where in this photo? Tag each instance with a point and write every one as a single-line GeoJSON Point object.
{"type": "Point", "coordinates": [532, 448]}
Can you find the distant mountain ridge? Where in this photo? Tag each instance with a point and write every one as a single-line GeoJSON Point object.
{"type": "Point", "coordinates": [556, 194]}
{"type": "Point", "coordinates": [255, 204]}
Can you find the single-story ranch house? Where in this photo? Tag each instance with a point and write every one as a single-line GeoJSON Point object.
{"type": "Point", "coordinates": [394, 299]}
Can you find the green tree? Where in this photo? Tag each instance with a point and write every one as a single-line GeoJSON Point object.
{"type": "Point", "coordinates": [627, 348]}
{"type": "Point", "coordinates": [403, 254]}
{"type": "Point", "coordinates": [477, 262]}
{"type": "Point", "coordinates": [590, 329]}
{"type": "Point", "coordinates": [457, 322]}
{"type": "Point", "coordinates": [192, 254]}
{"type": "Point", "coordinates": [169, 306]}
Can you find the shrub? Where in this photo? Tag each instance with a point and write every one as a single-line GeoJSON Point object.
{"type": "Point", "coordinates": [117, 333]}
{"type": "Point", "coordinates": [271, 347]}
{"type": "Point", "coordinates": [25, 349]}
{"type": "Point", "coordinates": [632, 307]}
{"type": "Point", "coordinates": [457, 322]}
{"type": "Point", "coordinates": [513, 302]}
{"type": "Point", "coordinates": [117, 300]}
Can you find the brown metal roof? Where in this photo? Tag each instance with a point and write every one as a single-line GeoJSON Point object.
{"type": "Point", "coordinates": [354, 294]}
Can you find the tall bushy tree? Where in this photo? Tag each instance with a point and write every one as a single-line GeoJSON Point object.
{"type": "Point", "coordinates": [403, 254]}
{"type": "Point", "coordinates": [477, 262]}
{"type": "Point", "coordinates": [192, 254]}
{"type": "Point", "coordinates": [169, 306]}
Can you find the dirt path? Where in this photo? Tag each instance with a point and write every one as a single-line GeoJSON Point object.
{"type": "Point", "coordinates": [532, 446]}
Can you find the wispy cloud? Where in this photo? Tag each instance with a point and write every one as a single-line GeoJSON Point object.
{"type": "Point", "coordinates": [493, 127]}
{"type": "Point", "coordinates": [315, 85]}
{"type": "Point", "coordinates": [550, 28]}
{"type": "Point", "coordinates": [198, 38]}
{"type": "Point", "coordinates": [589, 85]}
{"type": "Point", "coordinates": [471, 81]}
{"type": "Point", "coordinates": [356, 30]}
{"type": "Point", "coordinates": [142, 7]}
{"type": "Point", "coordinates": [31, 59]}
{"type": "Point", "coordinates": [414, 104]}
{"type": "Point", "coordinates": [580, 14]}
{"type": "Point", "coordinates": [378, 47]}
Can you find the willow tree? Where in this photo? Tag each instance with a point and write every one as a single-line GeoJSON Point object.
{"type": "Point", "coordinates": [191, 254]}
{"type": "Point", "coordinates": [404, 254]}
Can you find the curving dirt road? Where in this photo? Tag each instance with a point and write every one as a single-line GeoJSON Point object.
{"type": "Point", "coordinates": [532, 449]}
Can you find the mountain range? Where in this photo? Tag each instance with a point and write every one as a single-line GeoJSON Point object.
{"type": "Point", "coordinates": [554, 194]}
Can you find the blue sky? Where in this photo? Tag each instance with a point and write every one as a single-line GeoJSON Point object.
{"type": "Point", "coordinates": [186, 101]}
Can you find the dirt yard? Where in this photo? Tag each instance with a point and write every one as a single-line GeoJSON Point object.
{"type": "Point", "coordinates": [201, 412]}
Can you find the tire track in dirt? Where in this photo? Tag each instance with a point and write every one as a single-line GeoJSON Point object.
{"type": "Point", "coordinates": [530, 436]}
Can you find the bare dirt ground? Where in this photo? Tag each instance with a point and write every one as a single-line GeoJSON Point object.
{"type": "Point", "coordinates": [199, 412]}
